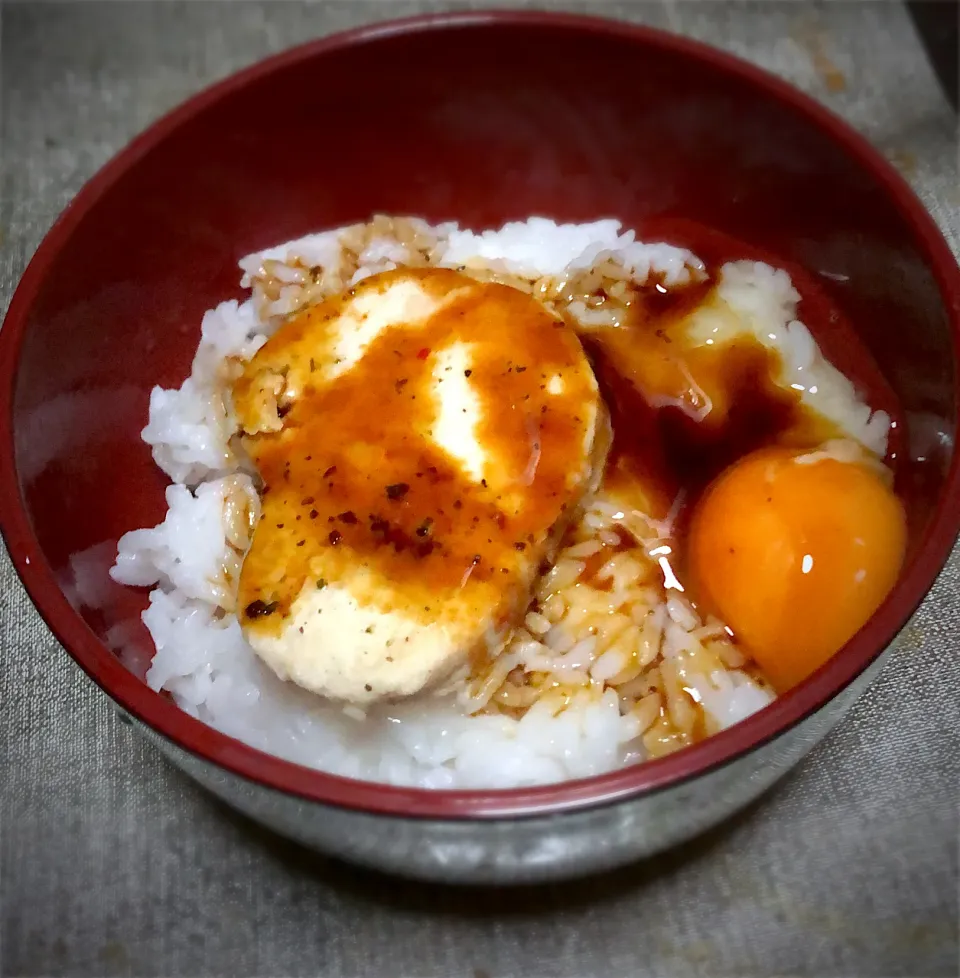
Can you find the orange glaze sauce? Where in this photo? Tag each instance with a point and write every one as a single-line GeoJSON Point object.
{"type": "Point", "coordinates": [354, 475]}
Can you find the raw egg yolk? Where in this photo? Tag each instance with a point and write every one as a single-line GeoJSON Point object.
{"type": "Point", "coordinates": [794, 552]}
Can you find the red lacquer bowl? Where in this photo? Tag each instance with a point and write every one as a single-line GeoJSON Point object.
{"type": "Point", "coordinates": [481, 118]}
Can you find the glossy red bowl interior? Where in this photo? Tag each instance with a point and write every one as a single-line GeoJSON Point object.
{"type": "Point", "coordinates": [479, 118]}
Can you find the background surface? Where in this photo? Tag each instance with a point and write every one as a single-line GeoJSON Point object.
{"type": "Point", "coordinates": [112, 863]}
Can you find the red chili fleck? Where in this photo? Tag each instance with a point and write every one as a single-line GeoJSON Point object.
{"type": "Point", "coordinates": [423, 354]}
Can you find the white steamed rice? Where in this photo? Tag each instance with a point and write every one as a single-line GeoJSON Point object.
{"type": "Point", "coordinates": [608, 668]}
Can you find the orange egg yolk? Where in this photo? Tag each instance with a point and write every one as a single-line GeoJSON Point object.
{"type": "Point", "coordinates": [794, 553]}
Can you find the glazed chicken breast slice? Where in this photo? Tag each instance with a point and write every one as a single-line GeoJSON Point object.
{"type": "Point", "coordinates": [423, 440]}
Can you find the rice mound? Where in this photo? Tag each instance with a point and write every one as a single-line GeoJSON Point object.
{"type": "Point", "coordinates": [609, 667]}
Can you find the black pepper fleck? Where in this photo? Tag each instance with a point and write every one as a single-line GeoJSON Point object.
{"type": "Point", "coordinates": [258, 609]}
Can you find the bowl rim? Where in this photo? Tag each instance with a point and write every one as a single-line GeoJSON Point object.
{"type": "Point", "coordinates": [167, 721]}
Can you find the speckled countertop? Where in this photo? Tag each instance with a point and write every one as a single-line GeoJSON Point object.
{"type": "Point", "coordinates": [112, 863]}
